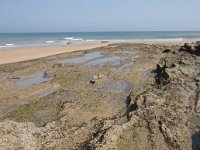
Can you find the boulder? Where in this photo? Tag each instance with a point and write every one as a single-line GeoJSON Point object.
{"type": "Point", "coordinates": [186, 47]}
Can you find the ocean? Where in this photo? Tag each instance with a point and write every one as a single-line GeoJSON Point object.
{"type": "Point", "coordinates": [45, 39]}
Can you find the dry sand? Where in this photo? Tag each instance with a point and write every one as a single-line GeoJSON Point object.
{"type": "Point", "coordinates": [22, 54]}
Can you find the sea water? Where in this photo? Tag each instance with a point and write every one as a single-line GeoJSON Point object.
{"type": "Point", "coordinates": [44, 39]}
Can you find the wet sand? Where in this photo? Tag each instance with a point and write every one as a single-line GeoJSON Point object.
{"type": "Point", "coordinates": [21, 54]}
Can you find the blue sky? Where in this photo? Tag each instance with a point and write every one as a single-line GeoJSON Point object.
{"type": "Point", "coordinates": [98, 15]}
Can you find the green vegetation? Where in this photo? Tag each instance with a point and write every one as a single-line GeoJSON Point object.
{"type": "Point", "coordinates": [40, 112]}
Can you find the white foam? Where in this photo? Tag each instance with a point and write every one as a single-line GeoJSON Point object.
{"type": "Point", "coordinates": [91, 40]}
{"type": "Point", "coordinates": [50, 41]}
{"type": "Point", "coordinates": [77, 39]}
{"type": "Point", "coordinates": [170, 40]}
{"type": "Point", "coordinates": [142, 40]}
{"type": "Point", "coordinates": [9, 44]}
{"type": "Point", "coordinates": [69, 38]}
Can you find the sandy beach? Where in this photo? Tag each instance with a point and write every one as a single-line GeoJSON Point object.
{"type": "Point", "coordinates": [13, 55]}
{"type": "Point", "coordinates": [21, 54]}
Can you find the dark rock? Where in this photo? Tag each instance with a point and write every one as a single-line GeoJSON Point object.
{"type": "Point", "coordinates": [167, 50]}
{"type": "Point", "coordinates": [92, 81]}
{"type": "Point", "coordinates": [128, 101]}
{"type": "Point", "coordinates": [186, 47]}
{"type": "Point", "coordinates": [173, 65]}
{"type": "Point", "coordinates": [197, 42]}
{"type": "Point", "coordinates": [195, 49]}
{"type": "Point", "coordinates": [162, 77]}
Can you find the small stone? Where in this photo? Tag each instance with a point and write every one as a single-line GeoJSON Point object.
{"type": "Point", "coordinates": [167, 50]}
{"type": "Point", "coordinates": [92, 81]}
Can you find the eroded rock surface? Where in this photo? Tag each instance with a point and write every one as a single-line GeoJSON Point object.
{"type": "Point", "coordinates": [161, 112]}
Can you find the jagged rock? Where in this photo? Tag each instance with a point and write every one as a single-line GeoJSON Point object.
{"type": "Point", "coordinates": [192, 49]}
{"type": "Point", "coordinates": [197, 48]}
{"type": "Point", "coordinates": [162, 77]}
{"type": "Point", "coordinates": [169, 137]}
{"type": "Point", "coordinates": [157, 118]}
{"type": "Point", "coordinates": [186, 47]}
{"type": "Point", "coordinates": [19, 136]}
{"type": "Point", "coordinates": [152, 100]}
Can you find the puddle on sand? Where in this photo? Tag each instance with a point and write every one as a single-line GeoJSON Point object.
{"type": "Point", "coordinates": [82, 59]}
{"type": "Point", "coordinates": [119, 86]}
{"type": "Point", "coordinates": [2, 79]}
{"type": "Point", "coordinates": [126, 67]}
{"type": "Point", "coordinates": [103, 61]}
{"type": "Point", "coordinates": [196, 141]}
{"type": "Point", "coordinates": [34, 79]}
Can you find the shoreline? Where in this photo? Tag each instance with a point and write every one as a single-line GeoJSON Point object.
{"type": "Point", "coordinates": [16, 54]}
{"type": "Point", "coordinates": [13, 55]}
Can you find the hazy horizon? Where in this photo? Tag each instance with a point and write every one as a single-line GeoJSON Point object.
{"type": "Point", "coordinates": [98, 16]}
{"type": "Point", "coordinates": [95, 31]}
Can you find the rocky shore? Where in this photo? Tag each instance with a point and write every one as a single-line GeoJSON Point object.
{"type": "Point", "coordinates": [121, 96]}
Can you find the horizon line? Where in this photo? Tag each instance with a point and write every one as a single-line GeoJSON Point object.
{"type": "Point", "coordinates": [101, 31]}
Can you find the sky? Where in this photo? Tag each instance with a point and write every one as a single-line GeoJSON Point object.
{"type": "Point", "coordinates": [99, 15]}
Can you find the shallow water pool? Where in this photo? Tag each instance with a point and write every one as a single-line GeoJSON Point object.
{"type": "Point", "coordinates": [34, 79]}
{"type": "Point", "coordinates": [103, 61]}
{"type": "Point", "coordinates": [83, 59]}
